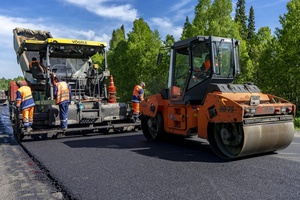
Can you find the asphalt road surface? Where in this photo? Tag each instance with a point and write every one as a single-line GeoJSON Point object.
{"type": "Point", "coordinates": [126, 166]}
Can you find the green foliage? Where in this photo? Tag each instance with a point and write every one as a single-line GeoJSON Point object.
{"type": "Point", "coordinates": [297, 122]}
{"type": "Point", "coordinates": [265, 47]}
{"type": "Point", "coordinates": [169, 40]}
{"type": "Point", "coordinates": [187, 29]}
{"type": "Point", "coordinates": [137, 57]}
{"type": "Point", "coordinates": [241, 18]}
{"type": "Point", "coordinates": [251, 24]}
{"type": "Point", "coordinates": [4, 83]}
{"type": "Point", "coordinates": [287, 54]}
{"type": "Point", "coordinates": [98, 59]}
{"type": "Point", "coordinates": [212, 18]}
{"type": "Point", "coordinates": [220, 21]}
{"type": "Point", "coordinates": [249, 63]}
{"type": "Point", "coordinates": [117, 36]}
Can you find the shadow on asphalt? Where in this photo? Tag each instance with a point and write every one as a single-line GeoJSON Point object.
{"type": "Point", "coordinates": [170, 147]}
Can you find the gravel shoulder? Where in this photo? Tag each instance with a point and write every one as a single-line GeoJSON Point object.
{"type": "Point", "coordinates": [20, 177]}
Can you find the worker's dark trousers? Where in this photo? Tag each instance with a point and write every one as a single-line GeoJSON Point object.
{"type": "Point", "coordinates": [63, 114]}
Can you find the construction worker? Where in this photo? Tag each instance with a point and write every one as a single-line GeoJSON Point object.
{"type": "Point", "coordinates": [137, 97]}
{"type": "Point", "coordinates": [94, 71]}
{"type": "Point", "coordinates": [203, 72]}
{"type": "Point", "coordinates": [26, 104]}
{"type": "Point", "coordinates": [92, 74]}
{"type": "Point", "coordinates": [206, 65]}
{"type": "Point", "coordinates": [196, 74]}
{"type": "Point", "coordinates": [63, 95]}
{"type": "Point", "coordinates": [34, 63]}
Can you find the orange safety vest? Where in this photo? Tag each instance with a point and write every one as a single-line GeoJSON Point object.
{"type": "Point", "coordinates": [24, 98]}
{"type": "Point", "coordinates": [63, 92]}
{"type": "Point", "coordinates": [25, 93]}
{"type": "Point", "coordinates": [36, 63]}
{"type": "Point", "coordinates": [136, 92]}
{"type": "Point", "coordinates": [206, 65]}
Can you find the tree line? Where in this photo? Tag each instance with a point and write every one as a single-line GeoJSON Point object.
{"type": "Point", "coordinates": [270, 61]}
{"type": "Point", "coordinates": [4, 83]}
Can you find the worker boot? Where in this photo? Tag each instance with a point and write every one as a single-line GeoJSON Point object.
{"type": "Point", "coordinates": [64, 129]}
{"type": "Point", "coordinates": [28, 129]}
{"type": "Point", "coordinates": [136, 118]}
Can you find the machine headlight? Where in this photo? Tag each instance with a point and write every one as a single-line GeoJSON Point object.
{"type": "Point", "coordinates": [249, 112]}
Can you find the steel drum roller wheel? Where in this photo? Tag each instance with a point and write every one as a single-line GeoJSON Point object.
{"type": "Point", "coordinates": [152, 127]}
{"type": "Point", "coordinates": [267, 138]}
{"type": "Point", "coordinates": [229, 139]}
{"type": "Point", "coordinates": [234, 140]}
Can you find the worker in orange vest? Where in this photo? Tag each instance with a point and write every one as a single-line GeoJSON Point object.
{"type": "Point", "coordinates": [206, 65]}
{"type": "Point", "coordinates": [137, 97]}
{"type": "Point", "coordinates": [25, 102]}
{"type": "Point", "coordinates": [37, 63]}
{"type": "Point", "coordinates": [204, 71]}
{"type": "Point", "coordinates": [63, 95]}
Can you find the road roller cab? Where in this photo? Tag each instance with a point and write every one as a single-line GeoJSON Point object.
{"type": "Point", "coordinates": [201, 99]}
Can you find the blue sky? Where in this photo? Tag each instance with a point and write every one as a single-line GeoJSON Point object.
{"type": "Point", "coordinates": [96, 19]}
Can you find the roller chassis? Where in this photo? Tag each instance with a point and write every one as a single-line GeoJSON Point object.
{"type": "Point", "coordinates": [237, 120]}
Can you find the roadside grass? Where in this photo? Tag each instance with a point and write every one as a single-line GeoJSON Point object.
{"type": "Point", "coordinates": [297, 123]}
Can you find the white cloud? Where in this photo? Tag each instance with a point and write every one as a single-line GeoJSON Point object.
{"type": "Point", "coordinates": [180, 10]}
{"type": "Point", "coordinates": [9, 66]}
{"type": "Point", "coordinates": [7, 24]}
{"type": "Point", "coordinates": [165, 26]}
{"type": "Point", "coordinates": [8, 62]}
{"type": "Point", "coordinates": [181, 14]}
{"type": "Point", "coordinates": [179, 5]}
{"type": "Point", "coordinates": [178, 13]}
{"type": "Point", "coordinates": [124, 12]}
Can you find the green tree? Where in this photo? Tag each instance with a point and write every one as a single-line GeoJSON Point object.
{"type": "Point", "coordinates": [187, 29]}
{"type": "Point", "coordinates": [220, 21]}
{"type": "Point", "coordinates": [117, 59]}
{"type": "Point", "coordinates": [117, 36]}
{"type": "Point", "coordinates": [98, 59]}
{"type": "Point", "coordinates": [241, 18]}
{"type": "Point", "coordinates": [165, 60]}
{"type": "Point", "coordinates": [5, 83]}
{"type": "Point", "coordinates": [251, 39]}
{"type": "Point", "coordinates": [143, 46]}
{"type": "Point", "coordinates": [134, 60]}
{"type": "Point", "coordinates": [212, 18]}
{"type": "Point", "coordinates": [169, 40]}
{"type": "Point", "coordinates": [253, 55]}
{"type": "Point", "coordinates": [265, 51]}
{"type": "Point", "coordinates": [251, 24]}
{"type": "Point", "coordinates": [289, 52]}
{"type": "Point", "coordinates": [200, 22]}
